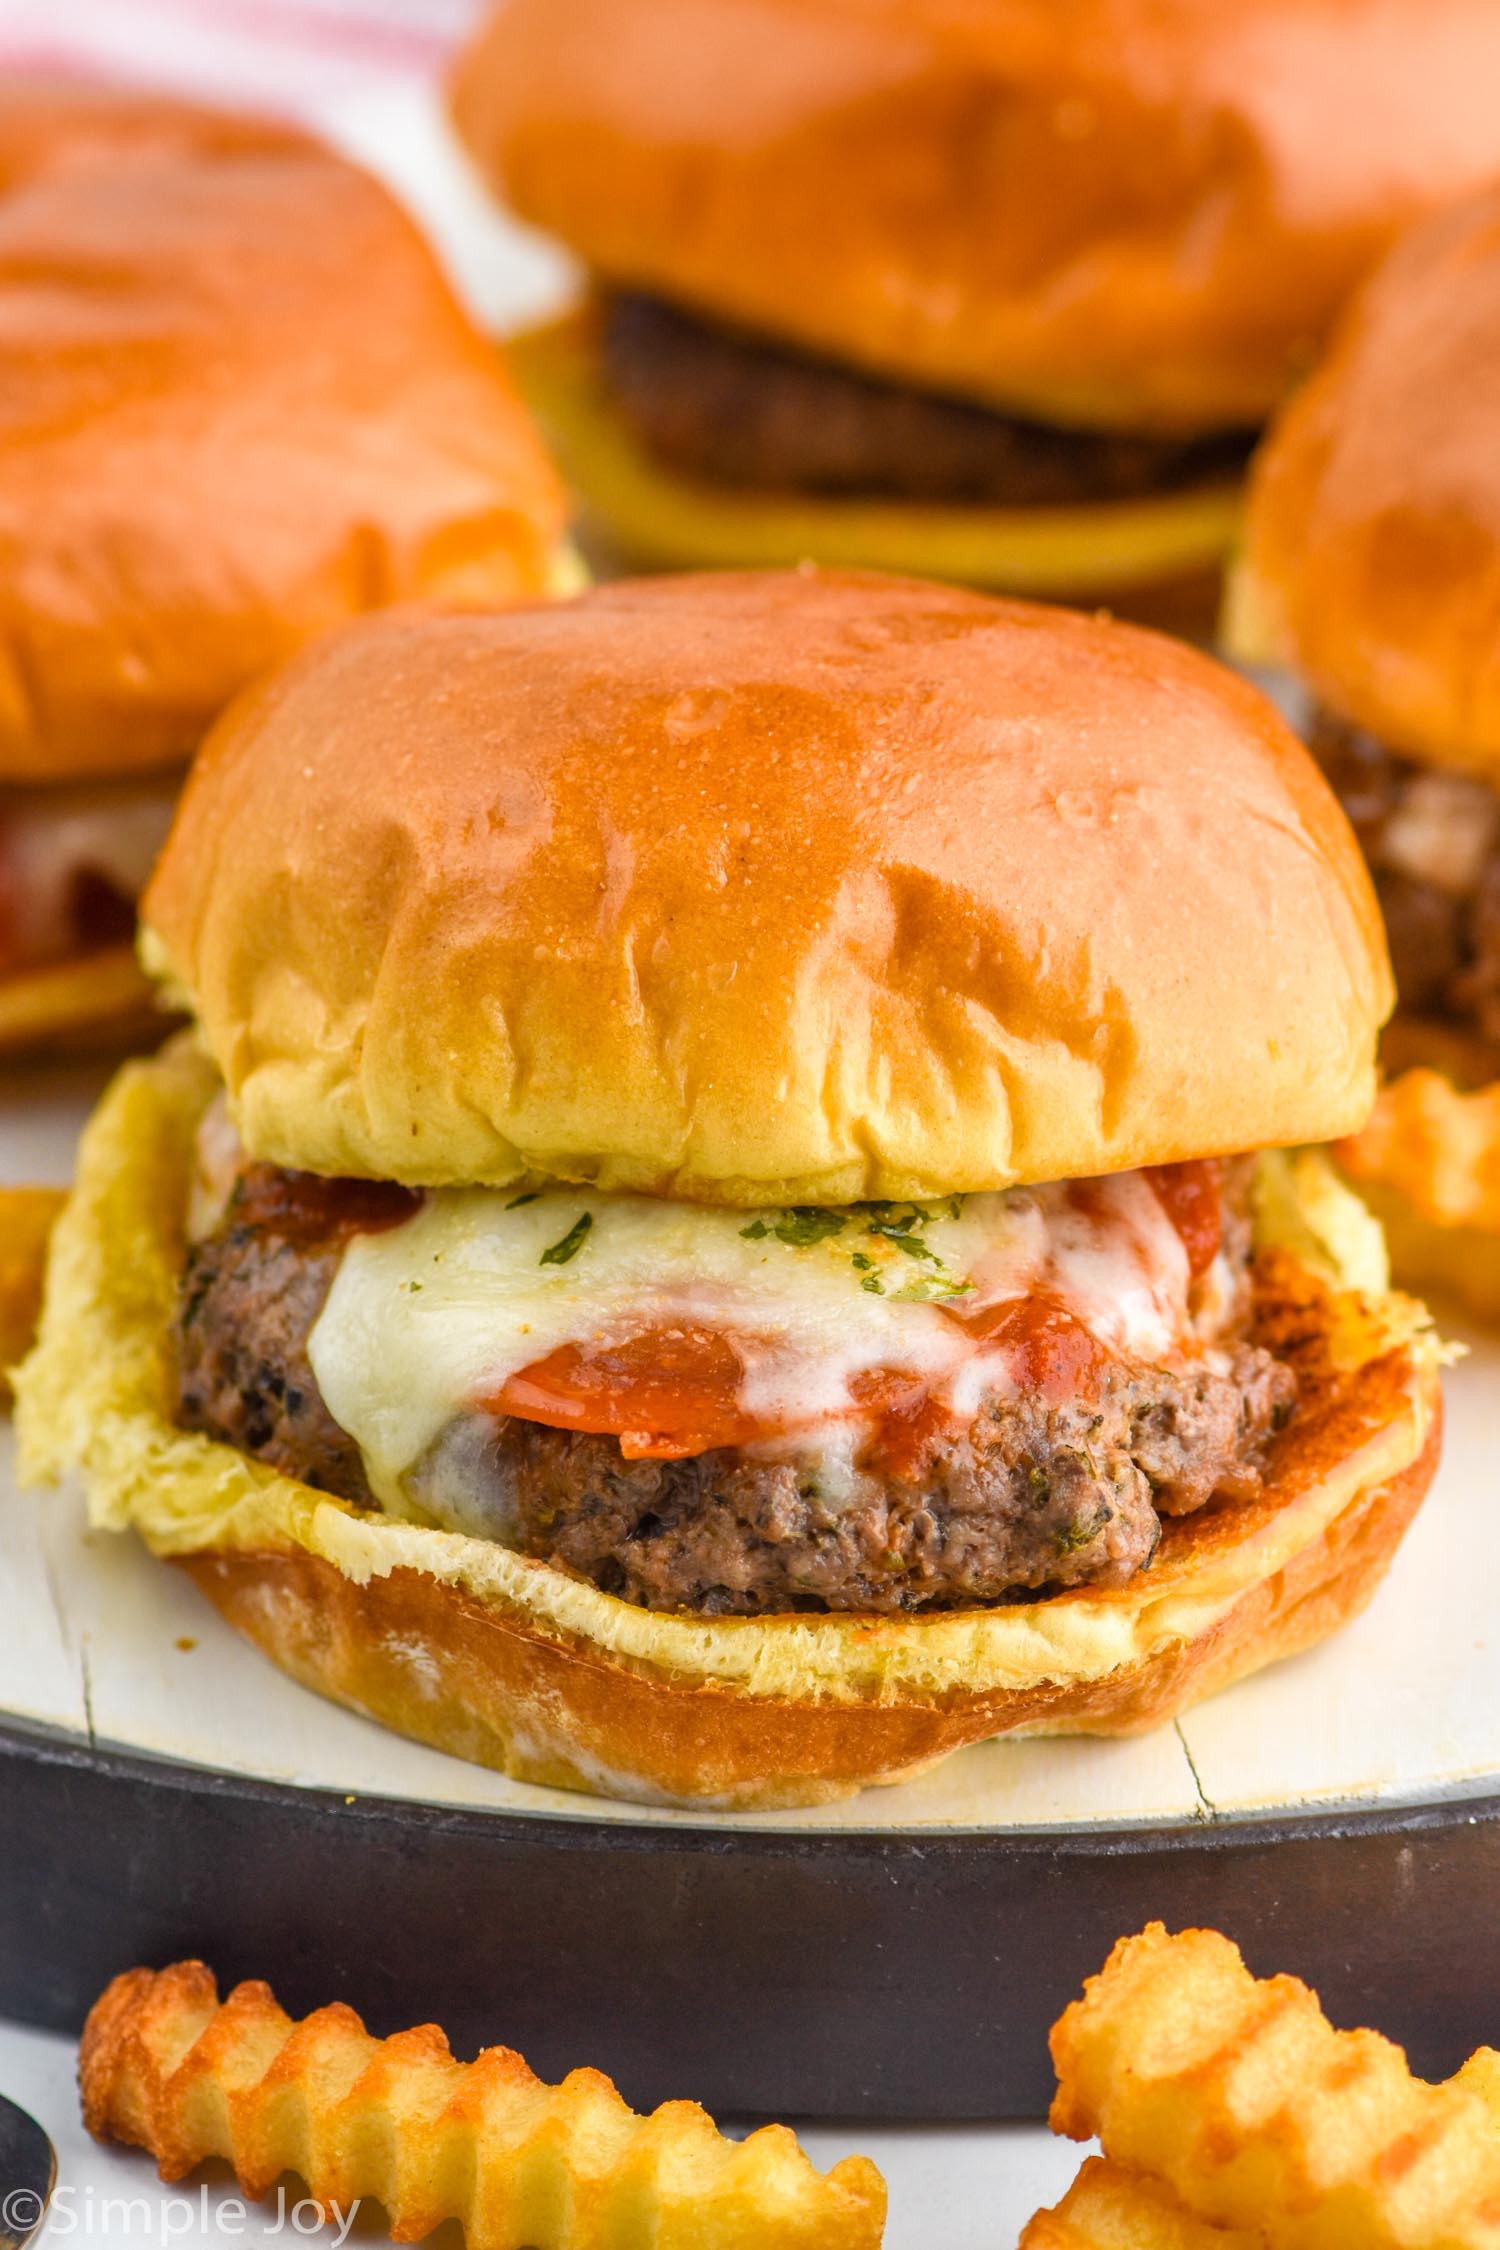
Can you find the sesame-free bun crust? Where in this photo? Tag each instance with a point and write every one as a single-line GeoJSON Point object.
{"type": "Point", "coordinates": [1372, 557]}
{"type": "Point", "coordinates": [238, 405]}
{"type": "Point", "coordinates": [1158, 557]}
{"type": "Point", "coordinates": [1123, 212]}
{"type": "Point", "coordinates": [790, 886]}
{"type": "Point", "coordinates": [517, 1665]}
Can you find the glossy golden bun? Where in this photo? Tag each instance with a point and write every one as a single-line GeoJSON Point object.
{"type": "Point", "coordinates": [1140, 213]}
{"type": "Point", "coordinates": [238, 404]}
{"type": "Point", "coordinates": [785, 886]}
{"type": "Point", "coordinates": [518, 1665]}
{"type": "Point", "coordinates": [1372, 557]}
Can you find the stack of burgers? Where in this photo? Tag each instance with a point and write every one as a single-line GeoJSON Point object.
{"type": "Point", "coordinates": [746, 1201]}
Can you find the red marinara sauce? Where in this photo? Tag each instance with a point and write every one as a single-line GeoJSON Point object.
{"type": "Point", "coordinates": [310, 1212]}
{"type": "Point", "coordinates": [1192, 1195]}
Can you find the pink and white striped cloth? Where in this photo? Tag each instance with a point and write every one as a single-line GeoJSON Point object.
{"type": "Point", "coordinates": [293, 56]}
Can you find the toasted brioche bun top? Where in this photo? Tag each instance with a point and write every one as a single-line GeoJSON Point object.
{"type": "Point", "coordinates": [1133, 212]}
{"type": "Point", "coordinates": [238, 404]}
{"type": "Point", "coordinates": [750, 888]}
{"type": "Point", "coordinates": [1372, 556]}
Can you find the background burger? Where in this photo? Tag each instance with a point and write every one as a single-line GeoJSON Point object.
{"type": "Point", "coordinates": [1372, 566]}
{"type": "Point", "coordinates": [713, 1245]}
{"type": "Point", "coordinates": [997, 293]}
{"type": "Point", "coordinates": [238, 404]}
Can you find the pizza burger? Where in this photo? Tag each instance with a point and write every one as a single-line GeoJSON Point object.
{"type": "Point", "coordinates": [238, 405]}
{"type": "Point", "coordinates": [1372, 568]}
{"type": "Point", "coordinates": [738, 1215]}
{"type": "Point", "coordinates": [994, 290]}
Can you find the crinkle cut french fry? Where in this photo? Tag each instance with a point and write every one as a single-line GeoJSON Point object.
{"type": "Point", "coordinates": [1435, 1145]}
{"type": "Point", "coordinates": [165, 2067]}
{"type": "Point", "coordinates": [1257, 2113]}
{"type": "Point", "coordinates": [1108, 2208]}
{"type": "Point", "coordinates": [26, 1216]}
{"type": "Point", "coordinates": [1481, 2076]}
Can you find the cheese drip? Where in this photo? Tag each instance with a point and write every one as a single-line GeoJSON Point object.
{"type": "Point", "coordinates": [428, 1319]}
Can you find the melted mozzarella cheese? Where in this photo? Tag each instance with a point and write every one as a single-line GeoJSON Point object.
{"type": "Point", "coordinates": [49, 838]}
{"type": "Point", "coordinates": [427, 1320]}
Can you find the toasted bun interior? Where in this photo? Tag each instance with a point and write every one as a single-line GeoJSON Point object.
{"type": "Point", "coordinates": [515, 1664]}
{"type": "Point", "coordinates": [786, 887]}
{"type": "Point", "coordinates": [238, 405]}
{"type": "Point", "coordinates": [1132, 213]}
{"type": "Point", "coordinates": [1372, 556]}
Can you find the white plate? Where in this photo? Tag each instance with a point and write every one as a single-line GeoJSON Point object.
{"type": "Point", "coordinates": [1402, 1707]}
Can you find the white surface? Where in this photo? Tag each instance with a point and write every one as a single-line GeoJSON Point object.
{"type": "Point", "coordinates": [950, 2190]}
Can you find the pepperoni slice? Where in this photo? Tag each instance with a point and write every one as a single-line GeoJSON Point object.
{"type": "Point", "coordinates": [664, 1393]}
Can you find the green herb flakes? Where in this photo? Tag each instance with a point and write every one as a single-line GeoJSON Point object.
{"type": "Point", "coordinates": [805, 1223]}
{"type": "Point", "coordinates": [572, 1242]}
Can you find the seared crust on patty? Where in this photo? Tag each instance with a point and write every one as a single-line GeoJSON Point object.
{"type": "Point", "coordinates": [737, 409]}
{"type": "Point", "coordinates": [1030, 1497]}
{"type": "Point", "coordinates": [1036, 1493]}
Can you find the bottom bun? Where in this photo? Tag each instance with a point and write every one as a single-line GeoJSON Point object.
{"type": "Point", "coordinates": [100, 1003]}
{"type": "Point", "coordinates": [649, 516]}
{"type": "Point", "coordinates": [517, 1665]}
{"type": "Point", "coordinates": [1428, 1165]}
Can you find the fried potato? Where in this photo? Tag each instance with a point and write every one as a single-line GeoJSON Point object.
{"type": "Point", "coordinates": [1435, 1146]}
{"type": "Point", "coordinates": [92, 1004]}
{"type": "Point", "coordinates": [167, 2068]}
{"type": "Point", "coordinates": [1481, 2075]}
{"type": "Point", "coordinates": [1245, 2101]}
{"type": "Point", "coordinates": [1108, 2208]}
{"type": "Point", "coordinates": [26, 1216]}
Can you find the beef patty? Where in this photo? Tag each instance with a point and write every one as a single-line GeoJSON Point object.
{"type": "Point", "coordinates": [1432, 842]}
{"type": "Point", "coordinates": [740, 410]}
{"type": "Point", "coordinates": [1030, 1496]}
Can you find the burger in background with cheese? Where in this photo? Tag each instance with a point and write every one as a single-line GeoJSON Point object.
{"type": "Point", "coordinates": [995, 292]}
{"type": "Point", "coordinates": [1372, 568]}
{"type": "Point", "coordinates": [238, 405]}
{"type": "Point", "coordinates": [723, 1235]}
